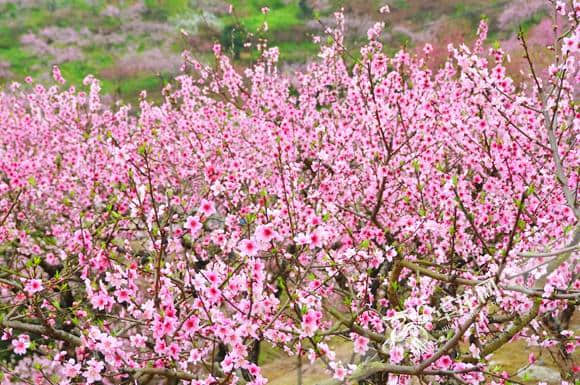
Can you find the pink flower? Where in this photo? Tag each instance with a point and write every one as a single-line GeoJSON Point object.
{"type": "Point", "coordinates": [213, 294]}
{"type": "Point", "coordinates": [445, 362]}
{"type": "Point", "coordinates": [474, 350]}
{"type": "Point", "coordinates": [340, 373]}
{"type": "Point", "coordinates": [265, 233]}
{"type": "Point", "coordinates": [122, 295]}
{"type": "Point", "coordinates": [193, 225]}
{"type": "Point", "coordinates": [531, 358]}
{"type": "Point", "coordinates": [207, 208]}
{"type": "Point", "coordinates": [360, 343]}
{"type": "Point", "coordinates": [137, 341]}
{"type": "Point", "coordinates": [310, 322]}
{"type": "Point", "coordinates": [93, 372]}
{"type": "Point", "coordinates": [375, 31]}
{"type": "Point", "coordinates": [33, 286]}
{"type": "Point", "coordinates": [315, 239]}
{"type": "Point", "coordinates": [212, 277]}
{"type": "Point", "coordinates": [561, 7]}
{"type": "Point", "coordinates": [396, 355]}
{"type": "Point", "coordinates": [100, 300]}
{"type": "Point", "coordinates": [191, 325]}
{"type": "Point", "coordinates": [70, 369]}
{"type": "Point", "coordinates": [21, 344]}
{"type": "Point", "coordinates": [249, 248]}
{"type": "Point", "coordinates": [173, 350]}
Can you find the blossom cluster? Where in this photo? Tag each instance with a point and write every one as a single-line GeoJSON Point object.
{"type": "Point", "coordinates": [411, 211]}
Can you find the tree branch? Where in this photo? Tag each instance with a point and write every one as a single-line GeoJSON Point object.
{"type": "Point", "coordinates": [43, 331]}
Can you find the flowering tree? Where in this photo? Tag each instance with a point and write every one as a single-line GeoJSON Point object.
{"type": "Point", "coordinates": [428, 217]}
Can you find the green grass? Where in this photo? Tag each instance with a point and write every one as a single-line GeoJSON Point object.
{"type": "Point", "coordinates": [36, 18]}
{"type": "Point", "coordinates": [250, 7]}
{"type": "Point", "coordinates": [8, 37]}
{"type": "Point", "coordinates": [20, 60]}
{"type": "Point", "coordinates": [75, 71]}
{"type": "Point", "coordinates": [129, 89]}
{"type": "Point", "coordinates": [286, 20]}
{"type": "Point", "coordinates": [163, 9]}
{"type": "Point", "coordinates": [280, 16]}
{"type": "Point", "coordinates": [277, 19]}
{"type": "Point", "coordinates": [400, 4]}
{"type": "Point", "coordinates": [297, 52]}
{"type": "Point", "coordinates": [466, 11]}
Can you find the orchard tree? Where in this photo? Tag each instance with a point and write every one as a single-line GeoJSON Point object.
{"type": "Point", "coordinates": [427, 217]}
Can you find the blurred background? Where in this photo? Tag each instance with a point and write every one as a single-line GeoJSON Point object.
{"type": "Point", "coordinates": [136, 44]}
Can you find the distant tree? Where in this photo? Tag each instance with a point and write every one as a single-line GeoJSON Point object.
{"type": "Point", "coordinates": [232, 39]}
{"type": "Point", "coordinates": [305, 8]}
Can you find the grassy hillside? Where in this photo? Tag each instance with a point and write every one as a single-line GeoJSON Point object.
{"type": "Point", "coordinates": [135, 44]}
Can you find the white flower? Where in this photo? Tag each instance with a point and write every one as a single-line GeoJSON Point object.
{"type": "Point", "coordinates": [486, 289]}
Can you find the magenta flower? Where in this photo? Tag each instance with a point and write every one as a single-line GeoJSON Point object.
{"type": "Point", "coordinates": [193, 225]}
{"type": "Point", "coordinates": [249, 248]}
{"type": "Point", "coordinates": [207, 208]}
{"type": "Point", "coordinates": [93, 372]}
{"type": "Point", "coordinates": [33, 286]}
{"type": "Point", "coordinates": [21, 344]}
{"type": "Point", "coordinates": [265, 233]}
{"type": "Point", "coordinates": [396, 354]}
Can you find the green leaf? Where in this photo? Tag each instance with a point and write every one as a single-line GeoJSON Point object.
{"type": "Point", "coordinates": [281, 282]}
{"type": "Point", "coordinates": [416, 165]}
{"type": "Point", "coordinates": [250, 217]}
